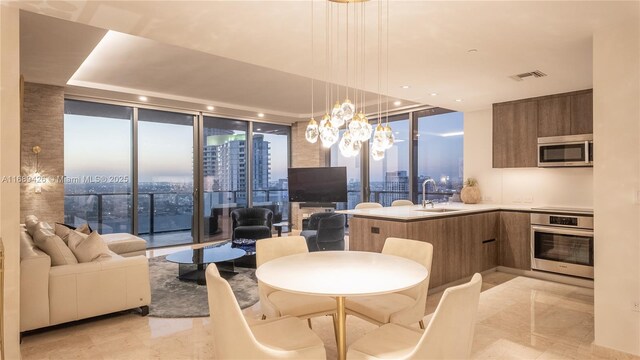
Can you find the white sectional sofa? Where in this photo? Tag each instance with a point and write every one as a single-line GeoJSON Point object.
{"type": "Point", "coordinates": [51, 295]}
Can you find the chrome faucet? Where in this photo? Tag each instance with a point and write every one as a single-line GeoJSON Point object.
{"type": "Point", "coordinates": [424, 193]}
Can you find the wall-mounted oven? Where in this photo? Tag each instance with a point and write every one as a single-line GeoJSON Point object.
{"type": "Point", "coordinates": [564, 151]}
{"type": "Point", "coordinates": [562, 244]}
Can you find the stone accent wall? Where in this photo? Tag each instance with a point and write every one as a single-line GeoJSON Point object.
{"type": "Point", "coordinates": [304, 154]}
{"type": "Point", "coordinates": [43, 125]}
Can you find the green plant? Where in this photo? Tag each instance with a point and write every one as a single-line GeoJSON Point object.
{"type": "Point", "coordinates": [471, 182]}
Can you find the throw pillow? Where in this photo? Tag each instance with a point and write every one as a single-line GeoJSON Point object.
{"type": "Point", "coordinates": [84, 228]}
{"type": "Point", "coordinates": [63, 231]}
{"type": "Point", "coordinates": [88, 248]}
{"type": "Point", "coordinates": [47, 241]}
{"type": "Point", "coordinates": [31, 222]}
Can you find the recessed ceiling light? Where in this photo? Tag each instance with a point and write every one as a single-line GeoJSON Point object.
{"type": "Point", "coordinates": [405, 86]}
{"type": "Point", "coordinates": [260, 115]}
{"type": "Point", "coordinates": [258, 129]}
{"type": "Point", "coordinates": [143, 98]}
{"type": "Point", "coordinates": [397, 103]}
{"type": "Point", "coordinates": [210, 108]}
{"type": "Point", "coordinates": [434, 94]}
{"type": "Point", "coordinates": [458, 100]}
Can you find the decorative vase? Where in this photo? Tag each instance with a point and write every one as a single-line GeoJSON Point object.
{"type": "Point", "coordinates": [470, 195]}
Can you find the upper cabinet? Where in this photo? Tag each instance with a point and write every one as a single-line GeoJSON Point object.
{"type": "Point", "coordinates": [515, 129]}
{"type": "Point", "coordinates": [518, 124]}
{"type": "Point", "coordinates": [582, 113]}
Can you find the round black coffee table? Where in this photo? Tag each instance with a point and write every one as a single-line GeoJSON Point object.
{"type": "Point", "coordinates": [193, 263]}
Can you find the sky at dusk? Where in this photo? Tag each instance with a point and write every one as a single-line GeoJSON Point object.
{"type": "Point", "coordinates": [96, 146]}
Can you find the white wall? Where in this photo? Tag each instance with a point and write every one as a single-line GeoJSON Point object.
{"type": "Point", "coordinates": [616, 100]}
{"type": "Point", "coordinates": [10, 166]}
{"type": "Point", "coordinates": [537, 186]}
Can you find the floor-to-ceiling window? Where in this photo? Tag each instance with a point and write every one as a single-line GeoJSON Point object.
{"type": "Point", "coordinates": [428, 145]}
{"type": "Point", "coordinates": [97, 166]}
{"type": "Point", "coordinates": [177, 197]}
{"type": "Point", "coordinates": [389, 177]}
{"type": "Point", "coordinates": [439, 154]}
{"type": "Point", "coordinates": [224, 169]}
{"type": "Point", "coordinates": [270, 163]}
{"type": "Point", "coordinates": [165, 177]}
{"type": "Point", "coordinates": [354, 169]}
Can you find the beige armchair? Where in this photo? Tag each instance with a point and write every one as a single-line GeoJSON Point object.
{"type": "Point", "coordinates": [449, 334]}
{"type": "Point", "coordinates": [404, 307]}
{"type": "Point", "coordinates": [277, 303]}
{"type": "Point", "coordinates": [283, 338]}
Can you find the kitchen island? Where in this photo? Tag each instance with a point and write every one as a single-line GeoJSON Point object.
{"type": "Point", "coordinates": [466, 238]}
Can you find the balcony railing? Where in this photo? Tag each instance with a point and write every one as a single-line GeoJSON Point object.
{"type": "Point", "coordinates": [158, 212]}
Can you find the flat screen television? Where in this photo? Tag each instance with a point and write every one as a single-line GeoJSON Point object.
{"type": "Point", "coordinates": [321, 184]}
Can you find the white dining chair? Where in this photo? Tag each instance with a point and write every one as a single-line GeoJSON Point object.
{"type": "Point", "coordinates": [449, 334]}
{"type": "Point", "coordinates": [233, 338]}
{"type": "Point", "coordinates": [275, 303]}
{"type": "Point", "coordinates": [401, 202]}
{"type": "Point", "coordinates": [368, 205]}
{"type": "Point", "coordinates": [405, 307]}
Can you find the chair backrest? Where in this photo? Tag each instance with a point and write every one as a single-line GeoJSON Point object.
{"type": "Point", "coordinates": [368, 205]}
{"type": "Point", "coordinates": [252, 217]}
{"type": "Point", "coordinates": [273, 248]}
{"type": "Point", "coordinates": [232, 336]}
{"type": "Point", "coordinates": [314, 219]}
{"type": "Point", "coordinates": [401, 202]}
{"type": "Point", "coordinates": [449, 334]}
{"type": "Point", "coordinates": [331, 232]}
{"type": "Point", "coordinates": [418, 251]}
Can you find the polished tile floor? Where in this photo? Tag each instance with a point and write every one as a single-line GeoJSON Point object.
{"type": "Point", "coordinates": [518, 318]}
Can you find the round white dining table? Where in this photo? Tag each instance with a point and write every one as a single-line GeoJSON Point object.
{"type": "Point", "coordinates": [340, 274]}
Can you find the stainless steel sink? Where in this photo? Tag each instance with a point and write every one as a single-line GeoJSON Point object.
{"type": "Point", "coordinates": [438, 210]}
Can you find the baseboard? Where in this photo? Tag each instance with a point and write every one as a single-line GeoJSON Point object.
{"type": "Point", "coordinates": [563, 279]}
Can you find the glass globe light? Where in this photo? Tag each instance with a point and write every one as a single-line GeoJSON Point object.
{"type": "Point", "coordinates": [311, 134]}
{"type": "Point", "coordinates": [324, 120]}
{"type": "Point", "coordinates": [379, 137]}
{"type": "Point", "coordinates": [389, 139]}
{"type": "Point", "coordinates": [355, 127]}
{"type": "Point", "coordinates": [328, 134]}
{"type": "Point", "coordinates": [356, 145]}
{"type": "Point", "coordinates": [345, 146]}
{"type": "Point", "coordinates": [337, 115]}
{"type": "Point", "coordinates": [367, 128]}
{"type": "Point", "coordinates": [377, 153]}
{"type": "Point", "coordinates": [348, 110]}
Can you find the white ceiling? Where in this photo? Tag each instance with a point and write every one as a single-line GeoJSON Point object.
{"type": "Point", "coordinates": [260, 50]}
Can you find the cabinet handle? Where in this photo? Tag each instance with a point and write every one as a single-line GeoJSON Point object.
{"type": "Point", "coordinates": [488, 241]}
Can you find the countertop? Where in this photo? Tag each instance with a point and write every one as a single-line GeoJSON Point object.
{"type": "Point", "coordinates": [417, 212]}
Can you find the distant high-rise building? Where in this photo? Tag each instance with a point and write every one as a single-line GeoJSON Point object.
{"type": "Point", "coordinates": [396, 186]}
{"type": "Point", "coordinates": [225, 165]}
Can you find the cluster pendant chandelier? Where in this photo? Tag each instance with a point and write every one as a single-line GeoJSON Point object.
{"type": "Point", "coordinates": [345, 113]}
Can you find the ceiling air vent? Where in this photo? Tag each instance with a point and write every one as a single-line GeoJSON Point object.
{"type": "Point", "coordinates": [535, 73]}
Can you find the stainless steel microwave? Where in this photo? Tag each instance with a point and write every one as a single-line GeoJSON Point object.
{"type": "Point", "coordinates": [563, 151]}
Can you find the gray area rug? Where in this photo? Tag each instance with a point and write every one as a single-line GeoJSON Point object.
{"type": "Point", "coordinates": [172, 298]}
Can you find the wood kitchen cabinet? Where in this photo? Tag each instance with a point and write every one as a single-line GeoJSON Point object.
{"type": "Point", "coordinates": [582, 113]}
{"type": "Point", "coordinates": [462, 245]}
{"type": "Point", "coordinates": [518, 124]}
{"type": "Point", "coordinates": [566, 114]}
{"type": "Point", "coordinates": [554, 116]}
{"type": "Point", "coordinates": [515, 134]}
{"type": "Point", "coordinates": [515, 240]}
